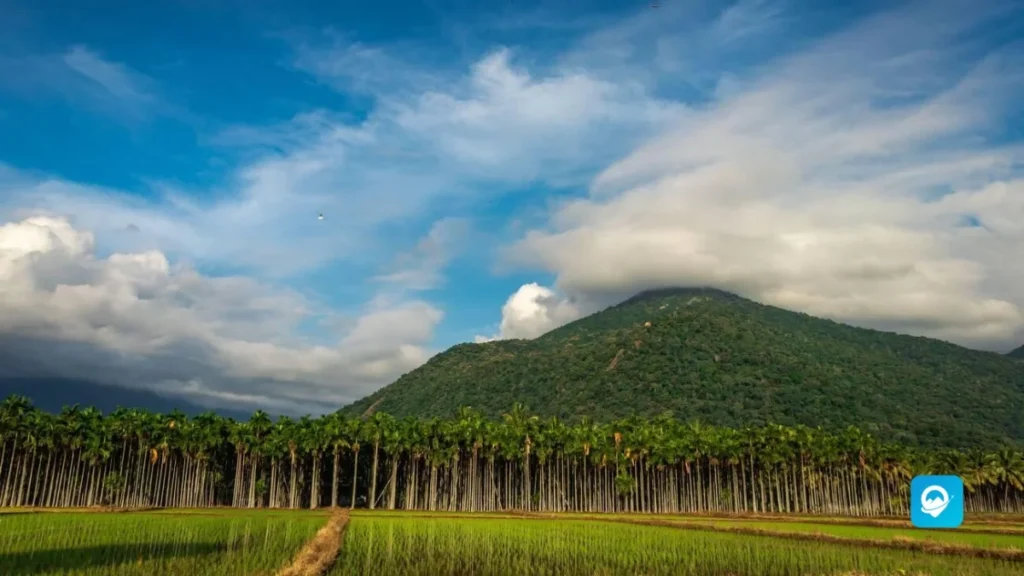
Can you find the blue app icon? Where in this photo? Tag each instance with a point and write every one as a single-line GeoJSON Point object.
{"type": "Point", "coordinates": [936, 501]}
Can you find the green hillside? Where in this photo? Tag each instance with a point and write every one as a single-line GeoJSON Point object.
{"type": "Point", "coordinates": [708, 355]}
{"type": "Point", "coordinates": [1017, 353]}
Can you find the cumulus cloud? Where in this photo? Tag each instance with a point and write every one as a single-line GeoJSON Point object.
{"type": "Point", "coordinates": [862, 179]}
{"type": "Point", "coordinates": [531, 311]}
{"type": "Point", "coordinates": [139, 320]}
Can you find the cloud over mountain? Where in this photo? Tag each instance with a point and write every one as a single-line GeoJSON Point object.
{"type": "Point", "coordinates": [862, 179]}
{"type": "Point", "coordinates": [862, 163]}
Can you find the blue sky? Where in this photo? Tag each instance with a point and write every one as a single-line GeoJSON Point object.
{"type": "Point", "coordinates": [491, 170]}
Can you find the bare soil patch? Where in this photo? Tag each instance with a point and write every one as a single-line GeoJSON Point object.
{"type": "Point", "coordinates": [319, 554]}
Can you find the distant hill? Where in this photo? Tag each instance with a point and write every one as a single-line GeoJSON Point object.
{"type": "Point", "coordinates": [52, 394]}
{"type": "Point", "coordinates": [709, 355]}
{"type": "Point", "coordinates": [1017, 353]}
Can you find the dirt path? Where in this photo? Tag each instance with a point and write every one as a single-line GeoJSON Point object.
{"type": "Point", "coordinates": [319, 554]}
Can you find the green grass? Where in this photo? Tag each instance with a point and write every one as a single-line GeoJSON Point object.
{"type": "Point", "coordinates": [226, 512]}
{"type": "Point", "coordinates": [194, 543]}
{"type": "Point", "coordinates": [364, 513]}
{"type": "Point", "coordinates": [973, 521]}
{"type": "Point", "coordinates": [971, 534]}
{"type": "Point", "coordinates": [389, 545]}
{"type": "Point", "coordinates": [1013, 527]}
{"type": "Point", "coordinates": [968, 535]}
{"type": "Point", "coordinates": [228, 542]}
{"type": "Point", "coordinates": [961, 537]}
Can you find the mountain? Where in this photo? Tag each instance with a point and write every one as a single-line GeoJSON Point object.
{"type": "Point", "coordinates": [52, 394]}
{"type": "Point", "coordinates": [709, 355]}
{"type": "Point", "coordinates": [1016, 353]}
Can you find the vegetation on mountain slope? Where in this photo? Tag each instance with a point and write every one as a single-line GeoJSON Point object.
{"type": "Point", "coordinates": [1017, 353]}
{"type": "Point", "coordinates": [708, 355]}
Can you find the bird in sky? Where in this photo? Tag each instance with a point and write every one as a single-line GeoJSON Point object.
{"type": "Point", "coordinates": [320, 216]}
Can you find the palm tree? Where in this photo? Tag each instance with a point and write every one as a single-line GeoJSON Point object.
{"type": "Point", "coordinates": [336, 429]}
{"type": "Point", "coordinates": [521, 425]}
{"type": "Point", "coordinates": [468, 463]}
{"type": "Point", "coordinates": [374, 430]}
{"type": "Point", "coordinates": [1008, 471]}
{"type": "Point", "coordinates": [355, 434]}
{"type": "Point", "coordinates": [259, 425]}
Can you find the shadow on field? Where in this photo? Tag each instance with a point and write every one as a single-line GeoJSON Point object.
{"type": "Point", "coordinates": [67, 559]}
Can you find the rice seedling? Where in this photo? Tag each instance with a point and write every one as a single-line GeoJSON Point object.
{"type": "Point", "coordinates": [1004, 522]}
{"type": "Point", "coordinates": [145, 543]}
{"type": "Point", "coordinates": [974, 538]}
{"type": "Point", "coordinates": [982, 536]}
{"type": "Point", "coordinates": [387, 546]}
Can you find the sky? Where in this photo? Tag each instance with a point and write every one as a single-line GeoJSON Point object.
{"type": "Point", "coordinates": [488, 170]}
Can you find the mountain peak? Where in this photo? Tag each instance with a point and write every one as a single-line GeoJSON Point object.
{"type": "Point", "coordinates": [641, 308]}
{"type": "Point", "coordinates": [680, 291]}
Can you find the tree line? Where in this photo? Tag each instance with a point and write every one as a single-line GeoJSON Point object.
{"type": "Point", "coordinates": [135, 458]}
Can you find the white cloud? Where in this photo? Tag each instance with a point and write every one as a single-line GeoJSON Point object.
{"type": "Point", "coordinates": [746, 18]}
{"type": "Point", "coordinates": [507, 124]}
{"type": "Point", "coordinates": [185, 333]}
{"type": "Point", "coordinates": [531, 311]}
{"type": "Point", "coordinates": [357, 67]}
{"type": "Point", "coordinates": [422, 268]}
{"type": "Point", "coordinates": [813, 183]}
{"type": "Point", "coordinates": [686, 47]}
{"type": "Point", "coordinates": [117, 79]}
{"type": "Point", "coordinates": [817, 185]}
{"type": "Point", "coordinates": [84, 76]}
{"type": "Point", "coordinates": [484, 134]}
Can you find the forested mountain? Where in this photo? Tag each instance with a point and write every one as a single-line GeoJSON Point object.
{"type": "Point", "coordinates": [713, 356]}
{"type": "Point", "coordinates": [1017, 353]}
